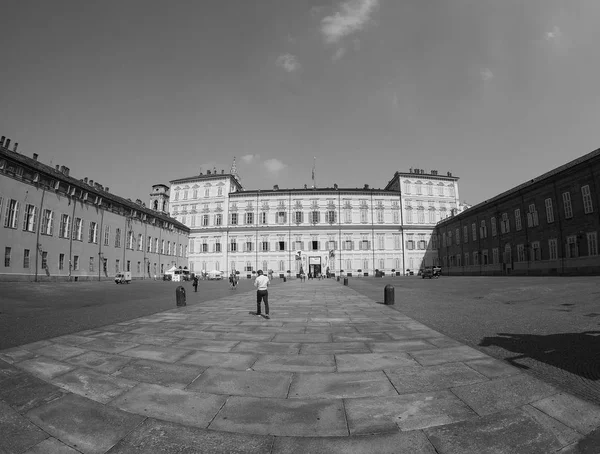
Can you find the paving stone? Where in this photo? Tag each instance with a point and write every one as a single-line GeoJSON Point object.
{"type": "Point", "coordinates": [33, 346]}
{"type": "Point", "coordinates": [257, 337]}
{"type": "Point", "coordinates": [8, 371]}
{"type": "Point", "coordinates": [331, 348]}
{"type": "Point", "coordinates": [353, 362]}
{"type": "Point", "coordinates": [226, 360]}
{"type": "Point", "coordinates": [207, 345]}
{"type": "Point", "coordinates": [59, 351]}
{"type": "Point", "coordinates": [156, 353]}
{"type": "Point", "coordinates": [414, 442]}
{"type": "Point", "coordinates": [361, 337]}
{"type": "Point", "coordinates": [192, 334]}
{"type": "Point", "coordinates": [72, 339]}
{"type": "Point", "coordinates": [412, 379]}
{"type": "Point", "coordinates": [447, 355]}
{"type": "Point", "coordinates": [15, 355]}
{"type": "Point", "coordinates": [493, 368]}
{"type": "Point", "coordinates": [267, 347]}
{"type": "Point", "coordinates": [512, 432]}
{"type": "Point", "coordinates": [145, 339]}
{"type": "Point", "coordinates": [503, 393]}
{"type": "Point", "coordinates": [83, 424]}
{"type": "Point", "coordinates": [295, 363]}
{"type": "Point", "coordinates": [564, 434]}
{"type": "Point", "coordinates": [109, 346]}
{"type": "Point", "coordinates": [45, 368]}
{"type": "Point", "coordinates": [164, 437]}
{"type": "Point", "coordinates": [400, 346]}
{"type": "Point", "coordinates": [25, 391]}
{"type": "Point", "coordinates": [18, 433]}
{"type": "Point", "coordinates": [175, 405]}
{"type": "Point", "coordinates": [243, 383]}
{"type": "Point", "coordinates": [102, 362]}
{"type": "Point", "coordinates": [341, 385]}
{"type": "Point", "coordinates": [405, 412]}
{"type": "Point", "coordinates": [159, 373]}
{"type": "Point", "coordinates": [576, 413]}
{"type": "Point", "coordinates": [282, 417]}
{"type": "Point", "coordinates": [304, 338]}
{"type": "Point", "coordinates": [93, 385]}
{"type": "Point", "coordinates": [444, 342]}
{"type": "Point", "coordinates": [51, 446]}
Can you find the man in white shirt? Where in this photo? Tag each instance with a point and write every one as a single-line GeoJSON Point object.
{"type": "Point", "coordinates": [262, 294]}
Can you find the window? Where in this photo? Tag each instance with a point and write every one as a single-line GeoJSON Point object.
{"type": "Point", "coordinates": [549, 211]}
{"type": "Point", "coordinates": [207, 192]}
{"type": "Point", "coordinates": [431, 215]}
{"type": "Point", "coordinates": [493, 226]}
{"type": "Point", "coordinates": [380, 242]}
{"type": "Point", "coordinates": [521, 253]}
{"type": "Point", "coordinates": [281, 245]}
{"type": "Point", "coordinates": [155, 245]}
{"type": "Point", "coordinates": [91, 264]}
{"type": "Point", "coordinates": [30, 220]}
{"type": "Point", "coordinates": [264, 246]}
{"type": "Point", "coordinates": [93, 233]}
{"type": "Point", "coordinates": [421, 215]}
{"type": "Point", "coordinates": [592, 242]}
{"type": "Point", "coordinates": [441, 190]}
{"type": "Point", "coordinates": [495, 255]}
{"type": "Point", "coordinates": [26, 258]}
{"type": "Point", "coordinates": [7, 251]}
{"type": "Point", "coordinates": [518, 225]}
{"type": "Point", "coordinates": [504, 224]}
{"type": "Point", "coordinates": [588, 207]}
{"type": "Point", "coordinates": [219, 191]}
{"type": "Point", "coordinates": [536, 253]}
{"type": "Point", "coordinates": [364, 216]}
{"type": "Point", "coordinates": [567, 204]}
{"type": "Point", "coordinates": [483, 230]}
{"type": "Point", "coordinates": [234, 218]}
{"type": "Point", "coordinates": [507, 253]}
{"type": "Point", "coordinates": [130, 240]}
{"type": "Point", "coordinates": [410, 245]}
{"type": "Point", "coordinates": [217, 247]}
{"type": "Point", "coordinates": [409, 215]}
{"type": "Point", "coordinates": [532, 216]}
{"type": "Point", "coordinates": [128, 265]}
{"type": "Point", "coordinates": [249, 218]}
{"type": "Point", "coordinates": [139, 267]}
{"type": "Point", "coordinates": [204, 220]}
{"type": "Point", "coordinates": [12, 214]}
{"type": "Point", "coordinates": [281, 217]}
{"type": "Point", "coordinates": [117, 237]}
{"type": "Point", "coordinates": [61, 261]}
{"type": "Point", "coordinates": [418, 186]}
{"type": "Point", "coordinates": [315, 217]}
{"type": "Point", "coordinates": [218, 219]}
{"type": "Point", "coordinates": [407, 187]}
{"type": "Point", "coordinates": [457, 235]}
{"type": "Point", "coordinates": [572, 250]}
{"type": "Point", "coordinates": [117, 266]}
{"type": "Point", "coordinates": [148, 244]}
{"type": "Point", "coordinates": [76, 263]}
{"type": "Point", "coordinates": [44, 260]}
{"type": "Point", "coordinates": [456, 260]}
{"type": "Point", "coordinates": [47, 222]}
{"type": "Point", "coordinates": [348, 215]}
{"type": "Point", "coordinates": [140, 245]}
{"type": "Point", "coordinates": [348, 245]}
{"type": "Point", "coordinates": [233, 246]}
{"type": "Point", "coordinates": [466, 233]}
{"type": "Point", "coordinates": [263, 217]}
{"type": "Point", "coordinates": [379, 216]}
{"type": "Point", "coordinates": [298, 217]}
{"type": "Point", "coordinates": [422, 244]}
{"type": "Point", "coordinates": [248, 246]}
{"type": "Point", "coordinates": [553, 249]}
{"type": "Point", "coordinates": [162, 246]}
{"type": "Point", "coordinates": [466, 259]}
{"type": "Point", "coordinates": [476, 258]}
{"type": "Point", "coordinates": [484, 257]}
{"type": "Point", "coordinates": [474, 231]}
{"type": "Point", "coordinates": [331, 217]}
{"type": "Point", "coordinates": [365, 245]}
{"type": "Point", "coordinates": [185, 194]}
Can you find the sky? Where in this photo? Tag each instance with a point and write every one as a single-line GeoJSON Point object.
{"type": "Point", "coordinates": [132, 93]}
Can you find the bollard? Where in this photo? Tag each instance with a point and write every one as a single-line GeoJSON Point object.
{"type": "Point", "coordinates": [180, 296]}
{"type": "Point", "coordinates": [388, 295]}
{"type": "Point", "coordinates": [284, 280]}
{"type": "Point", "coordinates": [338, 279]}
{"type": "Point", "coordinates": [345, 281]}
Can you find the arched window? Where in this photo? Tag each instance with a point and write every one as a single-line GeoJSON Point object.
{"type": "Point", "coordinates": [507, 253]}
{"type": "Point", "coordinates": [281, 265]}
{"type": "Point", "coordinates": [156, 205]}
{"type": "Point", "coordinates": [164, 205]}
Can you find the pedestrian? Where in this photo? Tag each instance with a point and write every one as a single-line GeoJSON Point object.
{"type": "Point", "coordinates": [262, 294]}
{"type": "Point", "coordinates": [195, 284]}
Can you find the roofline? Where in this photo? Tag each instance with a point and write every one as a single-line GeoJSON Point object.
{"type": "Point", "coordinates": [288, 191]}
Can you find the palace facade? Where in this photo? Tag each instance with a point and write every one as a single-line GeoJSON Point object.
{"type": "Point", "coordinates": [548, 225]}
{"type": "Point", "coordinates": [347, 231]}
{"type": "Point", "coordinates": [55, 227]}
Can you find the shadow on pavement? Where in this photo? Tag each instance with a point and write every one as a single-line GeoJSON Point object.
{"type": "Point", "coordinates": [577, 353]}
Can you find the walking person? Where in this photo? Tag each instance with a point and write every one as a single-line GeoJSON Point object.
{"type": "Point", "coordinates": [262, 294]}
{"type": "Point", "coordinates": [195, 283]}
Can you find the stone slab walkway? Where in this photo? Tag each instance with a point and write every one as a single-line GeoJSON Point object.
{"type": "Point", "coordinates": [330, 372]}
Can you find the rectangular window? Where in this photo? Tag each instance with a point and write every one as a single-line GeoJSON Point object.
{"type": "Point", "coordinates": [331, 216]}
{"type": "Point", "coordinates": [264, 246]}
{"type": "Point", "coordinates": [457, 235]}
{"type": "Point", "coordinates": [567, 204]}
{"type": "Point", "coordinates": [139, 267]}
{"type": "Point", "coordinates": [78, 229]}
{"type": "Point", "coordinates": [47, 222]}
{"type": "Point", "coordinates": [466, 233]}
{"type": "Point", "coordinates": [410, 245]}
{"type": "Point", "coordinates": [281, 245]}
{"type": "Point", "coordinates": [91, 264]}
{"type": "Point", "coordinates": [263, 217]}
{"type": "Point", "coordinates": [61, 261]}
{"type": "Point", "coordinates": [281, 217]}
{"type": "Point", "coordinates": [128, 265]}
{"type": "Point", "coordinates": [65, 226]}
{"type": "Point", "coordinates": [130, 240]}
{"type": "Point", "coordinates": [475, 258]}
{"type": "Point", "coordinates": [249, 218]}
{"type": "Point", "coordinates": [364, 216]}
{"type": "Point", "coordinates": [348, 216]}
{"type": "Point", "coordinates": [140, 245]}
{"type": "Point", "coordinates": [518, 225]}
{"type": "Point", "coordinates": [494, 255]}
{"type": "Point", "coordinates": [380, 242]}
{"type": "Point", "coordinates": [93, 233]}
{"type": "Point", "coordinates": [204, 220]}
{"type": "Point", "coordinates": [348, 245]}
{"type": "Point", "coordinates": [532, 217]}
{"type": "Point", "coordinates": [76, 262]}
{"type": "Point", "coordinates": [379, 216]}
{"type": "Point", "coordinates": [29, 220]}
{"type": "Point", "coordinates": [298, 217]}
{"type": "Point", "coordinates": [218, 219]}
{"type": "Point", "coordinates": [553, 249]}
{"type": "Point", "coordinates": [248, 246]}
{"type": "Point", "coordinates": [7, 251]}
{"type": "Point", "coordinates": [521, 253]}
{"type": "Point", "coordinates": [549, 211]}
{"type": "Point", "coordinates": [588, 206]}
{"type": "Point", "coordinates": [536, 252]}
{"type": "Point", "coordinates": [474, 231]}
{"type": "Point", "coordinates": [483, 231]}
{"type": "Point", "coordinates": [26, 258]}
{"type": "Point", "coordinates": [44, 260]}
{"type": "Point", "coordinates": [149, 244]}
{"type": "Point", "coordinates": [572, 250]}
{"type": "Point", "coordinates": [592, 242]}
{"type": "Point", "coordinates": [234, 218]}
{"type": "Point", "coordinates": [117, 266]}
{"type": "Point", "coordinates": [504, 224]}
{"type": "Point", "coordinates": [217, 247]}
{"type": "Point", "coordinates": [233, 246]}
{"type": "Point", "coordinates": [12, 214]}
{"type": "Point", "coordinates": [466, 259]}
{"type": "Point", "coordinates": [493, 226]}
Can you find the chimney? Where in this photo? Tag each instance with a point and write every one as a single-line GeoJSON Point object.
{"type": "Point", "coordinates": [222, 171]}
{"type": "Point", "coordinates": [449, 174]}
{"type": "Point", "coordinates": [62, 169]}
{"type": "Point", "coordinates": [305, 186]}
{"type": "Point", "coordinates": [91, 183]}
{"type": "Point", "coordinates": [106, 189]}
{"type": "Point", "coordinates": [57, 168]}
{"type": "Point", "coordinates": [2, 141]}
{"type": "Point", "coordinates": [366, 186]}
{"type": "Point", "coordinates": [276, 187]}
{"type": "Point", "coordinates": [335, 186]}
{"type": "Point", "coordinates": [35, 156]}
{"type": "Point", "coordinates": [208, 172]}
{"type": "Point", "coordinates": [85, 180]}
{"type": "Point", "coordinates": [7, 143]}
{"type": "Point", "coordinates": [67, 171]}
{"type": "Point", "coordinates": [15, 147]}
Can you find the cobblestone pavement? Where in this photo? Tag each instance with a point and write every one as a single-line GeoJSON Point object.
{"type": "Point", "coordinates": [331, 371]}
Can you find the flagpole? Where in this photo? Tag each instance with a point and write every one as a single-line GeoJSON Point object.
{"type": "Point", "coordinates": [313, 171]}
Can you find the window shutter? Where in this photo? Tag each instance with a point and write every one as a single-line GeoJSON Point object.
{"type": "Point", "coordinates": [16, 219]}
{"type": "Point", "coordinates": [51, 222]}
{"type": "Point", "coordinates": [35, 220]}
{"type": "Point", "coordinates": [285, 246]}
{"type": "Point", "coordinates": [343, 245]}
{"type": "Point", "coordinates": [368, 245]}
{"type": "Point", "coordinates": [319, 245]}
{"type": "Point", "coordinates": [25, 220]}
{"type": "Point", "coordinates": [6, 215]}
{"type": "Point", "coordinates": [529, 220]}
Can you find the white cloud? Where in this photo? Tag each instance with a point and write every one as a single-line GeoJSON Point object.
{"type": "Point", "coordinates": [351, 17]}
{"type": "Point", "coordinates": [248, 158]}
{"type": "Point", "coordinates": [288, 62]}
{"type": "Point", "coordinates": [554, 35]}
{"type": "Point", "coordinates": [486, 74]}
{"type": "Point", "coordinates": [338, 54]}
{"type": "Point", "coordinates": [274, 165]}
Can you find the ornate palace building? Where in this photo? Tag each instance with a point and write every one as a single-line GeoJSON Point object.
{"type": "Point", "coordinates": [56, 227]}
{"type": "Point", "coordinates": [349, 231]}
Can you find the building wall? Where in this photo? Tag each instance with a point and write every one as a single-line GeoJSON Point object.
{"type": "Point", "coordinates": [525, 247]}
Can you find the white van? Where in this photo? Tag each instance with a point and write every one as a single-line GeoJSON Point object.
{"type": "Point", "coordinates": [121, 278]}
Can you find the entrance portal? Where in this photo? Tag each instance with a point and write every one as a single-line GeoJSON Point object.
{"type": "Point", "coordinates": [314, 265]}
{"type": "Point", "coordinates": [315, 269]}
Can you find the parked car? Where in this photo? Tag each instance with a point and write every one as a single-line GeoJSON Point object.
{"type": "Point", "coordinates": [122, 278]}
{"type": "Point", "coordinates": [429, 273]}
